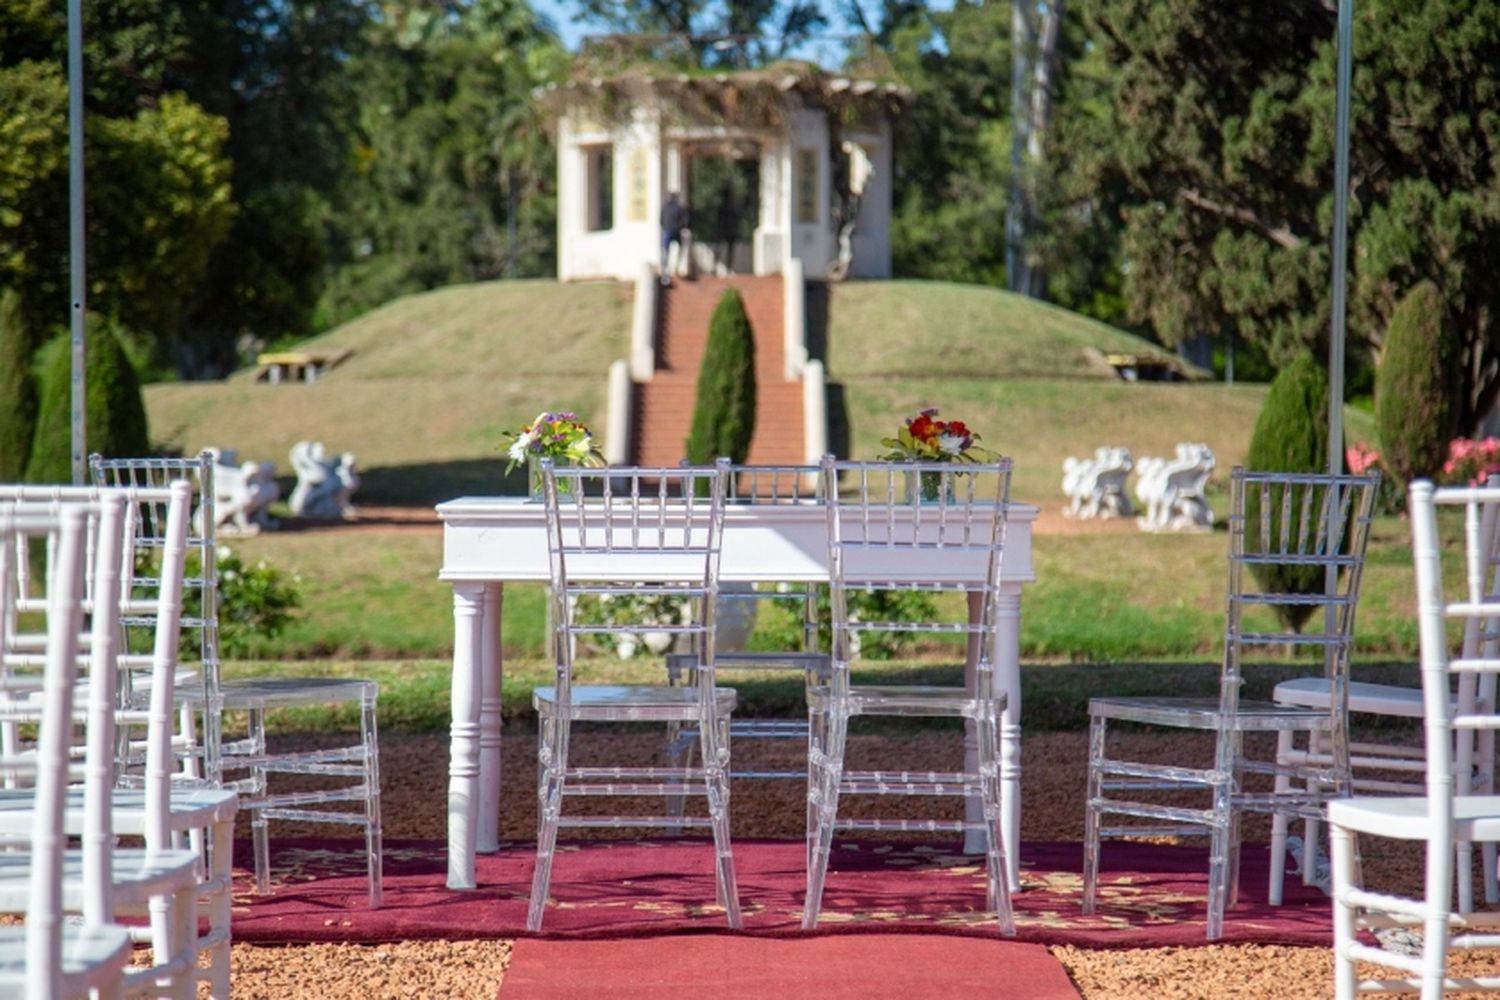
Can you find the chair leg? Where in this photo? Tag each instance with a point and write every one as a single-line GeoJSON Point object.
{"type": "Point", "coordinates": [997, 871]}
{"type": "Point", "coordinates": [1491, 885]}
{"type": "Point", "coordinates": [1279, 822]}
{"type": "Point", "coordinates": [1219, 860]}
{"type": "Point", "coordinates": [1093, 793]}
{"type": "Point", "coordinates": [185, 941]}
{"type": "Point", "coordinates": [373, 839]}
{"type": "Point", "coordinates": [220, 873]}
{"type": "Point", "coordinates": [1343, 913]}
{"type": "Point", "coordinates": [713, 736]}
{"type": "Point", "coordinates": [552, 755]}
{"type": "Point", "coordinates": [824, 801]}
{"type": "Point", "coordinates": [260, 827]}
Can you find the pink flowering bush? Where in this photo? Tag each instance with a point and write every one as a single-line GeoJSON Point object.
{"type": "Point", "coordinates": [1360, 458]}
{"type": "Point", "coordinates": [1471, 461]}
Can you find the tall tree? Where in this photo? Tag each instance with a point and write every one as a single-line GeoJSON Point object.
{"type": "Point", "coordinates": [753, 31]}
{"type": "Point", "coordinates": [452, 171]}
{"type": "Point", "coordinates": [1222, 128]}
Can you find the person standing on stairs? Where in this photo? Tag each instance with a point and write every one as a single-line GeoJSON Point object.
{"type": "Point", "coordinates": [674, 236]}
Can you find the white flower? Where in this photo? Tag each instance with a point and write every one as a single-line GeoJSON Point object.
{"type": "Point", "coordinates": [519, 445]}
{"type": "Point", "coordinates": [952, 444]}
{"type": "Point", "coordinates": [225, 552]}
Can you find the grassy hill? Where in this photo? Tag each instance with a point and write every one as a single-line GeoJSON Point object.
{"type": "Point", "coordinates": [435, 378]}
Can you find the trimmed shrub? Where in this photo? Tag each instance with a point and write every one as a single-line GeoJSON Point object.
{"type": "Point", "coordinates": [1414, 387]}
{"type": "Point", "coordinates": [724, 410]}
{"type": "Point", "coordinates": [115, 416]}
{"type": "Point", "coordinates": [17, 390]}
{"type": "Point", "coordinates": [1291, 435]}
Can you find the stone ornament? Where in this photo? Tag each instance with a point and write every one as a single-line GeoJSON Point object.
{"type": "Point", "coordinates": [1095, 487]}
{"type": "Point", "coordinates": [325, 485]}
{"type": "Point", "coordinates": [1171, 490]}
{"type": "Point", "coordinates": [243, 494]}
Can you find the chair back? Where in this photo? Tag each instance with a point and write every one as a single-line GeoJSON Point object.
{"type": "Point", "coordinates": [200, 575]}
{"type": "Point", "coordinates": [154, 598]}
{"type": "Point", "coordinates": [945, 525]}
{"type": "Point", "coordinates": [63, 530]}
{"type": "Point", "coordinates": [653, 532]}
{"type": "Point", "coordinates": [1296, 551]}
{"type": "Point", "coordinates": [1473, 606]}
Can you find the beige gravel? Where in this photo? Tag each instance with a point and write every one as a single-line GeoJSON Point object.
{"type": "Point", "coordinates": [414, 779]}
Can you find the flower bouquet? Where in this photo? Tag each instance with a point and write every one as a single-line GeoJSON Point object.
{"type": "Point", "coordinates": [1471, 462]}
{"type": "Point", "coordinates": [561, 437]}
{"type": "Point", "coordinates": [925, 438]}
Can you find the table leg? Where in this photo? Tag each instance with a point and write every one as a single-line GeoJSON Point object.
{"type": "Point", "coordinates": [463, 739]}
{"type": "Point", "coordinates": [1008, 679]}
{"type": "Point", "coordinates": [487, 836]}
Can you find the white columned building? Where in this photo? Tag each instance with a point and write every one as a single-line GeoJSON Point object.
{"type": "Point", "coordinates": [819, 145]}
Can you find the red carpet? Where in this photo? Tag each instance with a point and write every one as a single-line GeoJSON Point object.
{"type": "Point", "coordinates": [1150, 896]}
{"type": "Point", "coordinates": [740, 967]}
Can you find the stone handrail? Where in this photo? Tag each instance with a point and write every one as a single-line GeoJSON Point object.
{"type": "Point", "coordinates": [814, 412]}
{"type": "Point", "coordinates": [794, 318]}
{"type": "Point", "coordinates": [643, 324]}
{"type": "Point", "coordinates": [617, 414]}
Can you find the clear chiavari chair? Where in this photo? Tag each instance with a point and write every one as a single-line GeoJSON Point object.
{"type": "Point", "coordinates": [1448, 813]}
{"type": "Point", "coordinates": [1296, 548]}
{"type": "Point", "coordinates": [346, 775]}
{"type": "Point", "coordinates": [633, 532]}
{"type": "Point", "coordinates": [157, 879]}
{"type": "Point", "coordinates": [1393, 766]}
{"type": "Point", "coordinates": [946, 524]}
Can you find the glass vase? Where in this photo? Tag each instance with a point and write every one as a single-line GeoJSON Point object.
{"type": "Point", "coordinates": [934, 487]}
{"type": "Point", "coordinates": [534, 486]}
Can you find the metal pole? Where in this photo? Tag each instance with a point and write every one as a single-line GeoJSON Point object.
{"type": "Point", "coordinates": [76, 266]}
{"type": "Point", "coordinates": [1340, 238]}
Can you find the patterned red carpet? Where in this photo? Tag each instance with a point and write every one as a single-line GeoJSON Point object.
{"type": "Point", "coordinates": [1151, 896]}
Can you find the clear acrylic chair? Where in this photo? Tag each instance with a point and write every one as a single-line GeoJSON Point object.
{"type": "Point", "coordinates": [633, 532]}
{"type": "Point", "coordinates": [48, 957]}
{"type": "Point", "coordinates": [349, 774]}
{"type": "Point", "coordinates": [1296, 541]}
{"type": "Point", "coordinates": [1392, 767]}
{"type": "Point", "coordinates": [1447, 813]}
{"type": "Point", "coordinates": [156, 879]}
{"type": "Point", "coordinates": [946, 524]}
{"type": "Point", "coordinates": [759, 484]}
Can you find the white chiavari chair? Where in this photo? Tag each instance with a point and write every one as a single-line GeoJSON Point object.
{"type": "Point", "coordinates": [1447, 814]}
{"type": "Point", "coordinates": [49, 958]}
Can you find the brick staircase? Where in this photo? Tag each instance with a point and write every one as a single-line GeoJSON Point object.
{"type": "Point", "coordinates": [663, 407]}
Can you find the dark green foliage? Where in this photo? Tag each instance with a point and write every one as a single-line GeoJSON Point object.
{"type": "Point", "coordinates": [1291, 435]}
{"type": "Point", "coordinates": [17, 390]}
{"type": "Point", "coordinates": [724, 411]}
{"type": "Point", "coordinates": [1414, 387]}
{"type": "Point", "coordinates": [115, 422]}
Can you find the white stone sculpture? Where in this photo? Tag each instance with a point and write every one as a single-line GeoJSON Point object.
{"type": "Point", "coordinates": [1172, 490]}
{"type": "Point", "coordinates": [1095, 487]}
{"type": "Point", "coordinates": [325, 486]}
{"type": "Point", "coordinates": [243, 494]}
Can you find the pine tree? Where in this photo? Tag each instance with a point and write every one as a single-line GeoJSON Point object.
{"type": "Point", "coordinates": [115, 421]}
{"type": "Point", "coordinates": [1414, 386]}
{"type": "Point", "coordinates": [17, 390]}
{"type": "Point", "coordinates": [724, 410]}
{"type": "Point", "coordinates": [1291, 435]}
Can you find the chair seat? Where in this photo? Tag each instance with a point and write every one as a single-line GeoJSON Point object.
{"type": "Point", "coordinates": [1203, 713]}
{"type": "Point", "coordinates": [1475, 817]}
{"type": "Point", "coordinates": [137, 873]}
{"type": "Point", "coordinates": [1365, 698]}
{"type": "Point", "coordinates": [91, 957]}
{"type": "Point", "coordinates": [192, 808]}
{"type": "Point", "coordinates": [602, 702]}
{"type": "Point", "coordinates": [906, 699]}
{"type": "Point", "coordinates": [280, 692]}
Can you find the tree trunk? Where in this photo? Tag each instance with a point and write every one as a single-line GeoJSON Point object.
{"type": "Point", "coordinates": [1043, 65]}
{"type": "Point", "coordinates": [1021, 39]}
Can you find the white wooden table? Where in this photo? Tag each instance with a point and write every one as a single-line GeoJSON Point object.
{"type": "Point", "coordinates": [489, 541]}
